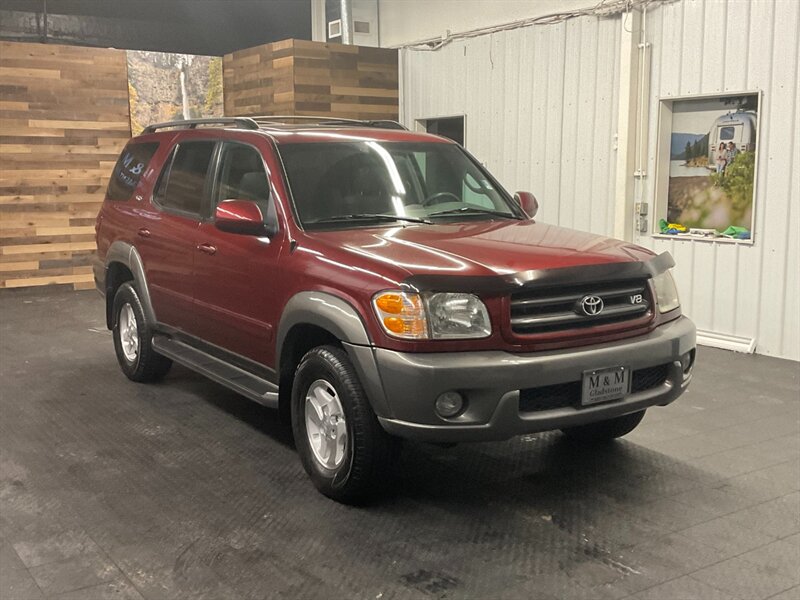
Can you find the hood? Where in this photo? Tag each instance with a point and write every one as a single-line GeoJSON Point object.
{"type": "Point", "coordinates": [477, 248]}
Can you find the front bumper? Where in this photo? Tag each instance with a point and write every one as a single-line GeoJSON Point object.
{"type": "Point", "coordinates": [403, 387]}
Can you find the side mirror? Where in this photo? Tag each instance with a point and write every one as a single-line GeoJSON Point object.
{"type": "Point", "coordinates": [527, 202]}
{"type": "Point", "coordinates": [240, 216]}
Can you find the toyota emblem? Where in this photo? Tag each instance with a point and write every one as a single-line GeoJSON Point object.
{"type": "Point", "coordinates": [592, 305]}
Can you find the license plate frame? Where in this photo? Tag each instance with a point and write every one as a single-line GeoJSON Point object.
{"type": "Point", "coordinates": [605, 385]}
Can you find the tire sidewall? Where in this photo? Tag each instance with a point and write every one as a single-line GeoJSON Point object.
{"type": "Point", "coordinates": [127, 295]}
{"type": "Point", "coordinates": [316, 366]}
{"type": "Point", "coordinates": [605, 431]}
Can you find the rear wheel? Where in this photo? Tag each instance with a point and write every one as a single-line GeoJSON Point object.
{"type": "Point", "coordinates": [605, 430]}
{"type": "Point", "coordinates": [133, 339]}
{"type": "Point", "coordinates": [344, 450]}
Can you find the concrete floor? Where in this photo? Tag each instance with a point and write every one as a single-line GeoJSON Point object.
{"type": "Point", "coordinates": [110, 489]}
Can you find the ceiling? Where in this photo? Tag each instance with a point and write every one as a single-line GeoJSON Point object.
{"type": "Point", "coordinates": [212, 27]}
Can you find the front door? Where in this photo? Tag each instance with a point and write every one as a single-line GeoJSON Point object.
{"type": "Point", "coordinates": [234, 275]}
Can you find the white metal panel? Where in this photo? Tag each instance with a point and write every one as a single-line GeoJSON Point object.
{"type": "Point", "coordinates": [405, 21]}
{"type": "Point", "coordinates": [541, 111]}
{"type": "Point", "coordinates": [540, 106]}
{"type": "Point", "coordinates": [713, 46]}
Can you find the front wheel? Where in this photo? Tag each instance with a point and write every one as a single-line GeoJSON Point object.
{"type": "Point", "coordinates": [605, 430]}
{"type": "Point", "coordinates": [343, 448]}
{"type": "Point", "coordinates": [133, 339]}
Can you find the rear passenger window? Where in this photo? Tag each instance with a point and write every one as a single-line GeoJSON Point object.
{"type": "Point", "coordinates": [129, 170]}
{"type": "Point", "coordinates": [183, 187]}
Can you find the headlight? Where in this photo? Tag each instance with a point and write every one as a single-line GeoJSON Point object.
{"type": "Point", "coordinates": [437, 316]}
{"type": "Point", "coordinates": [666, 292]}
{"type": "Point", "coordinates": [453, 316]}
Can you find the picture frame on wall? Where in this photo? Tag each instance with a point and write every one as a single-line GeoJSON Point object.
{"type": "Point", "coordinates": [165, 86]}
{"type": "Point", "coordinates": [707, 167]}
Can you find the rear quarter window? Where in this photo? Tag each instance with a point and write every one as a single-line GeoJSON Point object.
{"type": "Point", "coordinates": [129, 169]}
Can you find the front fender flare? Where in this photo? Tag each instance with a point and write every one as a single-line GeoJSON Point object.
{"type": "Point", "coordinates": [323, 310]}
{"type": "Point", "coordinates": [341, 319]}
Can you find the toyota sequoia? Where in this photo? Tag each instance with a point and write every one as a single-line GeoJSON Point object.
{"type": "Point", "coordinates": [374, 284]}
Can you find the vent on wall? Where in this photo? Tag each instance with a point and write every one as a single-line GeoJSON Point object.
{"type": "Point", "coordinates": [334, 28]}
{"type": "Point", "coordinates": [361, 26]}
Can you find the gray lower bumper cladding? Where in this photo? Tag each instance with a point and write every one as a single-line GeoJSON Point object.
{"type": "Point", "coordinates": [492, 381]}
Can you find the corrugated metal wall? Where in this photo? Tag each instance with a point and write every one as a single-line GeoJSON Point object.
{"type": "Point", "coordinates": [540, 106]}
{"type": "Point", "coordinates": [711, 46]}
{"type": "Point", "coordinates": [541, 109]}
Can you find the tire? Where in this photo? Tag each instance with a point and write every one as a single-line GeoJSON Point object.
{"type": "Point", "coordinates": [133, 339]}
{"type": "Point", "coordinates": [604, 430]}
{"type": "Point", "coordinates": [350, 471]}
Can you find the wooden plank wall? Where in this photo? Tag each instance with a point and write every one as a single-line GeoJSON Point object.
{"type": "Point", "coordinates": [299, 77]}
{"type": "Point", "coordinates": [63, 121]}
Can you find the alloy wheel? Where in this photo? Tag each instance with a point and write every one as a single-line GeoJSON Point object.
{"type": "Point", "coordinates": [326, 426]}
{"type": "Point", "coordinates": [128, 333]}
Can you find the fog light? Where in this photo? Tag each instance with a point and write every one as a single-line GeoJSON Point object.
{"type": "Point", "coordinates": [687, 362]}
{"type": "Point", "coordinates": [449, 404]}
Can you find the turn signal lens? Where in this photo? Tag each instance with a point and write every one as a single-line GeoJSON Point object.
{"type": "Point", "coordinates": [390, 303]}
{"type": "Point", "coordinates": [401, 314]}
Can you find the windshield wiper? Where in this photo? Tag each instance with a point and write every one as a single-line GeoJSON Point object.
{"type": "Point", "coordinates": [367, 217]}
{"type": "Point", "coordinates": [473, 210]}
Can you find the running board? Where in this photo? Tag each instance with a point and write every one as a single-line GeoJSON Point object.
{"type": "Point", "coordinates": [240, 381]}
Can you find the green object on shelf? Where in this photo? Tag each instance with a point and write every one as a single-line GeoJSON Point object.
{"type": "Point", "coordinates": [671, 228]}
{"type": "Point", "coordinates": [734, 231]}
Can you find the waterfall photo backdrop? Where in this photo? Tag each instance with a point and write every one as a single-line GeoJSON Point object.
{"type": "Point", "coordinates": [164, 86]}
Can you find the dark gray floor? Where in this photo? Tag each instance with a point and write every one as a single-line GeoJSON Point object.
{"type": "Point", "coordinates": [110, 489]}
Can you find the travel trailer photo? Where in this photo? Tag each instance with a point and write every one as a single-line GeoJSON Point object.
{"type": "Point", "coordinates": [712, 163]}
{"type": "Point", "coordinates": [738, 127]}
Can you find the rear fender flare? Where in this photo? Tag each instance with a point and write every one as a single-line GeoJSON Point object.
{"type": "Point", "coordinates": [126, 254]}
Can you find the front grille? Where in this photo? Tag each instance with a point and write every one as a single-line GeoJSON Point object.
{"type": "Point", "coordinates": [549, 397]}
{"type": "Point", "coordinates": [563, 395]}
{"type": "Point", "coordinates": [561, 308]}
{"type": "Point", "coordinates": [646, 379]}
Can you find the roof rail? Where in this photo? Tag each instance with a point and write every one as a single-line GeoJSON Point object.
{"type": "Point", "coordinates": [286, 120]}
{"type": "Point", "coordinates": [239, 122]}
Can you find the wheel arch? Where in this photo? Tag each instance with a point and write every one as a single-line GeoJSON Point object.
{"type": "Point", "coordinates": [312, 319]}
{"type": "Point", "coordinates": [123, 264]}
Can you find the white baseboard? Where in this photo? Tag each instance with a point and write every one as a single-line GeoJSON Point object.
{"type": "Point", "coordinates": [726, 341]}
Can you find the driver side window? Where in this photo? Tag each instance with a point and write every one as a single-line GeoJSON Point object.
{"type": "Point", "coordinates": [242, 177]}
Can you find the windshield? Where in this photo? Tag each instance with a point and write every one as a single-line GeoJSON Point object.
{"type": "Point", "coordinates": [348, 184]}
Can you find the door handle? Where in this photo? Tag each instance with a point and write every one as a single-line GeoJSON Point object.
{"type": "Point", "coordinates": [207, 248]}
{"type": "Point", "coordinates": [144, 232]}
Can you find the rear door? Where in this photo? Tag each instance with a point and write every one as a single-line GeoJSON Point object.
{"type": "Point", "coordinates": [167, 236]}
{"type": "Point", "coordinates": [235, 276]}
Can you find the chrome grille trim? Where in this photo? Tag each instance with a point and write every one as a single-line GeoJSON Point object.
{"type": "Point", "coordinates": [568, 317]}
{"type": "Point", "coordinates": [558, 309]}
{"type": "Point", "coordinates": [575, 297]}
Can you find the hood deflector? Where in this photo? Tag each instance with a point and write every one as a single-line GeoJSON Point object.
{"type": "Point", "coordinates": [541, 278]}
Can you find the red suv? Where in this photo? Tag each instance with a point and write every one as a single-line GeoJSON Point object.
{"type": "Point", "coordinates": [374, 284]}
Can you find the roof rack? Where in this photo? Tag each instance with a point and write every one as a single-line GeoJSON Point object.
{"type": "Point", "coordinates": [239, 122]}
{"type": "Point", "coordinates": [274, 121]}
{"type": "Point", "coordinates": [286, 120]}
